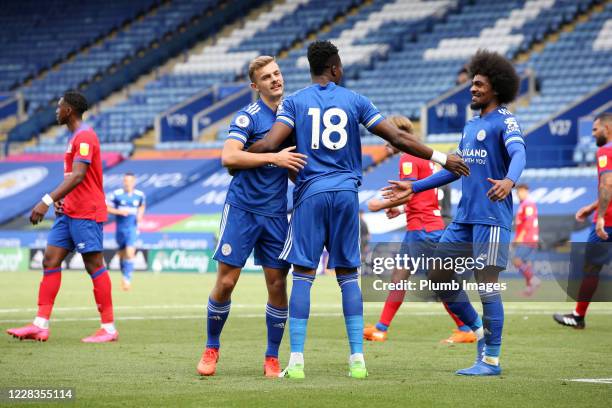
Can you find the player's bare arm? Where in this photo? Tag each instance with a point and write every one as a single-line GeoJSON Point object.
{"type": "Point", "coordinates": [115, 211]}
{"type": "Point", "coordinates": [375, 204]}
{"type": "Point", "coordinates": [141, 211]}
{"type": "Point", "coordinates": [79, 169]}
{"type": "Point", "coordinates": [234, 157]}
{"type": "Point", "coordinates": [604, 198]}
{"type": "Point", "coordinates": [410, 144]}
{"type": "Point", "coordinates": [398, 191]}
{"type": "Point", "coordinates": [394, 211]}
{"type": "Point", "coordinates": [584, 212]}
{"type": "Point", "coordinates": [273, 139]}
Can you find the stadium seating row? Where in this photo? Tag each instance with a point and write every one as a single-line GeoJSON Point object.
{"type": "Point", "coordinates": [576, 64]}
{"type": "Point", "coordinates": [101, 57]}
{"type": "Point", "coordinates": [36, 36]}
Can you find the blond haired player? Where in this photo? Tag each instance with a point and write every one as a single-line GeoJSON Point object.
{"type": "Point", "coordinates": [254, 216]}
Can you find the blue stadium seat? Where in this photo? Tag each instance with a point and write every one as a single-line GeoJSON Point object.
{"type": "Point", "coordinates": [36, 36]}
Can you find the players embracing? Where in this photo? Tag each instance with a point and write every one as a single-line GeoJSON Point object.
{"type": "Point", "coordinates": [325, 119]}
{"type": "Point", "coordinates": [254, 217]}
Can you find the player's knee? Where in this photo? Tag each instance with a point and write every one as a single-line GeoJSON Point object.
{"type": "Point", "coordinates": [50, 262]}
{"type": "Point", "coordinates": [226, 284]}
{"type": "Point", "coordinates": [277, 286]}
{"type": "Point", "coordinates": [130, 252]}
{"type": "Point", "coordinates": [93, 262]}
{"type": "Point", "coordinates": [592, 269]}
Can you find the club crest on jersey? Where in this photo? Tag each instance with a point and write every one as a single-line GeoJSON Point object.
{"type": "Point", "coordinates": [84, 149]}
{"type": "Point", "coordinates": [226, 249]}
{"type": "Point", "coordinates": [481, 135]}
{"type": "Point", "coordinates": [407, 168]}
{"type": "Point", "coordinates": [603, 161]}
{"type": "Point", "coordinates": [529, 211]}
{"type": "Point", "coordinates": [243, 121]}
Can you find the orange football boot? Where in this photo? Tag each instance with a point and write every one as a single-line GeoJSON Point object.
{"type": "Point", "coordinates": [371, 333]}
{"type": "Point", "coordinates": [208, 362]}
{"type": "Point", "coordinates": [459, 336]}
{"type": "Point", "coordinates": [271, 367]}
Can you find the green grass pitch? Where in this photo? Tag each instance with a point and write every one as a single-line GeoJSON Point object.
{"type": "Point", "coordinates": [161, 324]}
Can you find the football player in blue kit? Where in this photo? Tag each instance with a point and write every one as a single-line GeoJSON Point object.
{"type": "Point", "coordinates": [128, 206]}
{"type": "Point", "coordinates": [493, 147]}
{"type": "Point", "coordinates": [254, 216]}
{"type": "Point", "coordinates": [325, 118]}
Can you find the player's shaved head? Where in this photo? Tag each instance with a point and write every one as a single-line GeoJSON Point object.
{"type": "Point", "coordinates": [77, 101]}
{"type": "Point", "coordinates": [499, 71]}
{"type": "Point", "coordinates": [605, 117]}
{"type": "Point", "coordinates": [602, 128]}
{"type": "Point", "coordinates": [402, 122]}
{"type": "Point", "coordinates": [321, 56]}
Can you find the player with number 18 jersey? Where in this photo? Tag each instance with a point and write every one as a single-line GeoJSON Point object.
{"type": "Point", "coordinates": [326, 121]}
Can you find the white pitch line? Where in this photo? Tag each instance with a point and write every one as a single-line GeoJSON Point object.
{"type": "Point", "coordinates": [262, 315]}
{"type": "Point", "coordinates": [181, 317]}
{"type": "Point", "coordinates": [591, 380]}
{"type": "Point", "coordinates": [520, 307]}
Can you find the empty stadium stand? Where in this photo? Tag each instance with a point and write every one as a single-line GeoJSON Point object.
{"type": "Point", "coordinates": [112, 51]}
{"type": "Point", "coordinates": [218, 63]}
{"type": "Point", "coordinates": [36, 35]}
{"type": "Point", "coordinates": [579, 62]}
{"type": "Point", "coordinates": [422, 68]}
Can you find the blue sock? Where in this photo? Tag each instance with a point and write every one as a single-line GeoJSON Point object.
{"type": "Point", "coordinates": [122, 264]}
{"type": "Point", "coordinates": [352, 307]}
{"type": "Point", "coordinates": [382, 327]}
{"type": "Point", "coordinates": [493, 320]}
{"type": "Point", "coordinates": [464, 328]}
{"type": "Point", "coordinates": [217, 315]}
{"type": "Point", "coordinates": [459, 303]}
{"type": "Point", "coordinates": [299, 310]}
{"type": "Point", "coordinates": [276, 318]}
{"type": "Point", "coordinates": [127, 268]}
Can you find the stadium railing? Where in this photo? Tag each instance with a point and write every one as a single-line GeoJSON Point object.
{"type": "Point", "coordinates": [11, 105]}
{"type": "Point", "coordinates": [186, 120]}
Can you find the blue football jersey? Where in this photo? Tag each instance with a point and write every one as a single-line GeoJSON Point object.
{"type": "Point", "coordinates": [326, 122]}
{"type": "Point", "coordinates": [128, 202]}
{"type": "Point", "coordinates": [483, 147]}
{"type": "Point", "coordinates": [262, 190]}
